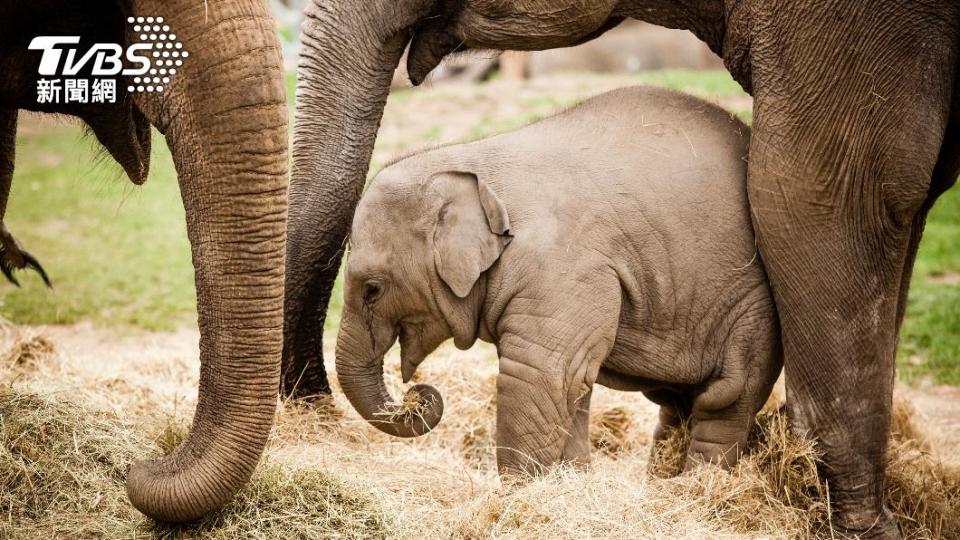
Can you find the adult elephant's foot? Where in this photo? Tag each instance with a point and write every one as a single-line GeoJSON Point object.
{"type": "Point", "coordinates": [305, 380]}
{"type": "Point", "coordinates": [308, 291]}
{"type": "Point", "coordinates": [868, 525]}
{"type": "Point", "coordinates": [302, 373]}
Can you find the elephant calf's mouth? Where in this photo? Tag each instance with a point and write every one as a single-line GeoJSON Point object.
{"type": "Point", "coordinates": [412, 351]}
{"type": "Point", "coordinates": [409, 365]}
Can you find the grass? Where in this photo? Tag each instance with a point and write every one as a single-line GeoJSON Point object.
{"type": "Point", "coordinates": [702, 83]}
{"type": "Point", "coordinates": [118, 254]}
{"type": "Point", "coordinates": [930, 339]}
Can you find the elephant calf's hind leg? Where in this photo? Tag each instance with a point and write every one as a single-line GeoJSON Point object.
{"type": "Point", "coordinates": [719, 437]}
{"type": "Point", "coordinates": [674, 413]}
{"type": "Point", "coordinates": [724, 412]}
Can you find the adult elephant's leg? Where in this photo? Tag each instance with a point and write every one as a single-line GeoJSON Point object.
{"type": "Point", "coordinates": [350, 50]}
{"type": "Point", "coordinates": [8, 141]}
{"type": "Point", "coordinates": [846, 139]}
{"type": "Point", "coordinates": [944, 177]}
{"type": "Point", "coordinates": [12, 256]}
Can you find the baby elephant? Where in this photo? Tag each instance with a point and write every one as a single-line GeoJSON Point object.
{"type": "Point", "coordinates": [609, 244]}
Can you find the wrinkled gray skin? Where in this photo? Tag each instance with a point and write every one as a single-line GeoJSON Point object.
{"type": "Point", "coordinates": [224, 118]}
{"type": "Point", "coordinates": [856, 133]}
{"type": "Point", "coordinates": [610, 244]}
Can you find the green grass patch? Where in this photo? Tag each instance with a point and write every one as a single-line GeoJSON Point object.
{"type": "Point", "coordinates": [930, 338]}
{"type": "Point", "coordinates": [930, 346]}
{"type": "Point", "coordinates": [116, 253]}
{"type": "Point", "coordinates": [700, 82]}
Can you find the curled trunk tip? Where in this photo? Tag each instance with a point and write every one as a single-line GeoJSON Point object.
{"type": "Point", "coordinates": [417, 414]}
{"type": "Point", "coordinates": [360, 370]}
{"type": "Point", "coordinates": [155, 489]}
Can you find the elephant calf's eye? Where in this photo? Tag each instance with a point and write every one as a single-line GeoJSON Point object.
{"type": "Point", "coordinates": [371, 292]}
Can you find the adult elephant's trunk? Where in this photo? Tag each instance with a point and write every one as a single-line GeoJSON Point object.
{"type": "Point", "coordinates": [350, 50]}
{"type": "Point", "coordinates": [225, 120]}
{"type": "Point", "coordinates": [360, 351]}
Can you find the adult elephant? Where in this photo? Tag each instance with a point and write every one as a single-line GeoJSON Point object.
{"type": "Point", "coordinates": [854, 139]}
{"type": "Point", "coordinates": [225, 120]}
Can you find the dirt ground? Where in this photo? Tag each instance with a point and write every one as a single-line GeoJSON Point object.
{"type": "Point", "coordinates": [442, 484]}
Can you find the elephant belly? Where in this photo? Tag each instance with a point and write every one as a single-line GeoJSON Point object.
{"type": "Point", "coordinates": [626, 383]}
{"type": "Point", "coordinates": [641, 362]}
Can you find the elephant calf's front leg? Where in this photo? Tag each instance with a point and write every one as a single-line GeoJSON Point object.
{"type": "Point", "coordinates": [543, 392]}
{"type": "Point", "coordinates": [534, 422]}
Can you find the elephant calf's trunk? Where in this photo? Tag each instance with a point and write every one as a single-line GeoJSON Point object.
{"type": "Point", "coordinates": [416, 414]}
{"type": "Point", "coordinates": [360, 371]}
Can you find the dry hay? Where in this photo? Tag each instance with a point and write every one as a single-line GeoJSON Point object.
{"type": "Point", "coordinates": [58, 466]}
{"type": "Point", "coordinates": [327, 473]}
{"type": "Point", "coordinates": [62, 472]}
{"type": "Point", "coordinates": [922, 491]}
{"type": "Point", "coordinates": [777, 484]}
{"type": "Point", "coordinates": [305, 421]}
{"type": "Point", "coordinates": [411, 407]}
{"type": "Point", "coordinates": [279, 503]}
{"type": "Point", "coordinates": [445, 484]}
{"type": "Point", "coordinates": [63, 467]}
{"type": "Point", "coordinates": [670, 453]}
{"type": "Point", "coordinates": [21, 348]}
{"type": "Point", "coordinates": [610, 431]}
{"type": "Point", "coordinates": [775, 492]}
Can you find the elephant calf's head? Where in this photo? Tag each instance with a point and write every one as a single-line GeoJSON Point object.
{"type": "Point", "coordinates": [419, 248]}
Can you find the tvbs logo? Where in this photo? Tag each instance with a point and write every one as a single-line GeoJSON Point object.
{"type": "Point", "coordinates": [149, 64]}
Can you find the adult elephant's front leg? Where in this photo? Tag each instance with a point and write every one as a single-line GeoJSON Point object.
{"type": "Point", "coordinates": [845, 142]}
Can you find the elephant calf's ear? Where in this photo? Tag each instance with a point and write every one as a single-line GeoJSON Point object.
{"type": "Point", "coordinates": [472, 230]}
